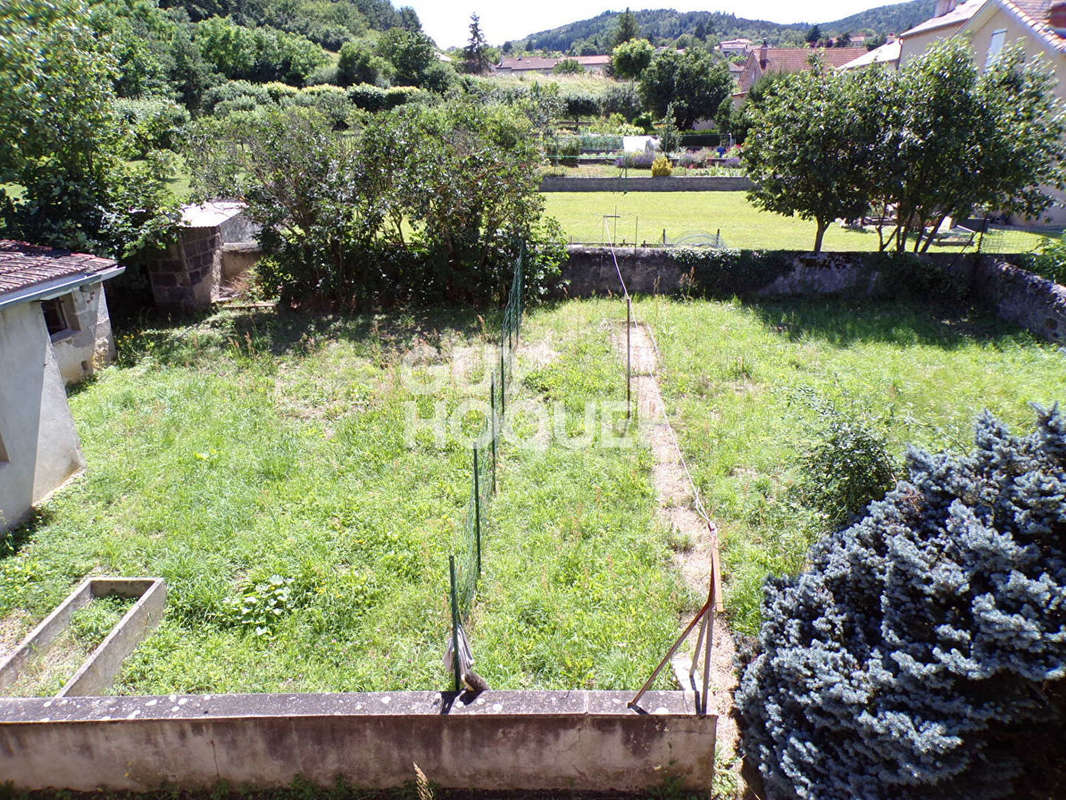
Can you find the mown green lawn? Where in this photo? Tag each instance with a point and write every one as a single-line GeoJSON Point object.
{"type": "Point", "coordinates": [742, 380]}
{"type": "Point", "coordinates": [261, 463]}
{"type": "Point", "coordinates": [644, 215]}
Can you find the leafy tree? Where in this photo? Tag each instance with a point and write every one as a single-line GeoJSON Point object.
{"type": "Point", "coordinates": [411, 54]}
{"type": "Point", "coordinates": [61, 141]}
{"type": "Point", "coordinates": [921, 653]}
{"type": "Point", "coordinates": [568, 66]}
{"type": "Point", "coordinates": [814, 33]}
{"type": "Point", "coordinates": [475, 59]}
{"type": "Point", "coordinates": [358, 64]}
{"type": "Point", "coordinates": [630, 59]}
{"type": "Point", "coordinates": [669, 138]}
{"type": "Point", "coordinates": [723, 118]}
{"type": "Point", "coordinates": [875, 41]}
{"type": "Point", "coordinates": [693, 81]}
{"type": "Point", "coordinates": [626, 28]}
{"type": "Point", "coordinates": [409, 19]}
{"type": "Point", "coordinates": [258, 54]}
{"type": "Point", "coordinates": [800, 153]}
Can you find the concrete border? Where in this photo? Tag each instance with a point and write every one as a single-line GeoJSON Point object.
{"type": "Point", "coordinates": [531, 741]}
{"type": "Point", "coordinates": [709, 183]}
{"type": "Point", "coordinates": [99, 669]}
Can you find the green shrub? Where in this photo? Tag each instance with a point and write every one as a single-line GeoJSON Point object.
{"type": "Point", "coordinates": [661, 167]}
{"type": "Point", "coordinates": [1050, 260]}
{"type": "Point", "coordinates": [581, 104]}
{"type": "Point", "coordinates": [256, 94]}
{"type": "Point", "coordinates": [156, 124]}
{"type": "Point", "coordinates": [367, 97]}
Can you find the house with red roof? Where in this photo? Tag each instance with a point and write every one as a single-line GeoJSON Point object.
{"type": "Point", "coordinates": [54, 330]}
{"type": "Point", "coordinates": [763, 60]}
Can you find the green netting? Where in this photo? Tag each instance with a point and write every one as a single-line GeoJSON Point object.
{"type": "Point", "coordinates": [484, 458]}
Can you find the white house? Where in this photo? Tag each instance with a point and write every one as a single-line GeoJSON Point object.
{"type": "Point", "coordinates": [54, 330]}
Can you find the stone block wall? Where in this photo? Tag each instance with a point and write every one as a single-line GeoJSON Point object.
{"type": "Point", "coordinates": [1023, 298]}
{"type": "Point", "coordinates": [188, 274]}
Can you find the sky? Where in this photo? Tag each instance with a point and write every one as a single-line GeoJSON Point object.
{"type": "Point", "coordinates": [447, 21]}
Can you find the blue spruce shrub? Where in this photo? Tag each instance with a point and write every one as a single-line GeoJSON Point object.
{"type": "Point", "coordinates": [923, 652]}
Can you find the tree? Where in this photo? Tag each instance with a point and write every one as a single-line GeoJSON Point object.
{"type": "Point", "coordinates": [920, 654]}
{"type": "Point", "coordinates": [409, 19]}
{"type": "Point", "coordinates": [693, 81]}
{"type": "Point", "coordinates": [358, 64]}
{"type": "Point", "coordinates": [568, 66]}
{"type": "Point", "coordinates": [411, 54]}
{"type": "Point", "coordinates": [814, 33]}
{"type": "Point", "coordinates": [630, 59]}
{"type": "Point", "coordinates": [800, 153]}
{"type": "Point", "coordinates": [626, 29]}
{"type": "Point", "coordinates": [475, 60]}
{"type": "Point", "coordinates": [61, 140]}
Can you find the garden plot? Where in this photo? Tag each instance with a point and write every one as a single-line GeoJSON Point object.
{"type": "Point", "coordinates": [266, 468]}
{"type": "Point", "coordinates": [743, 383]}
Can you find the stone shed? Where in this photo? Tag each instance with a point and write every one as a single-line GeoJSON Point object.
{"type": "Point", "coordinates": [215, 245]}
{"type": "Point", "coordinates": [54, 330]}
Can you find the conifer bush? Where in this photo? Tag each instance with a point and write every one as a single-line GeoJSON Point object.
{"type": "Point", "coordinates": [923, 651]}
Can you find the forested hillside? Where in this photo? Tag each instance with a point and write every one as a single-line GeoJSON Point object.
{"type": "Point", "coordinates": [665, 26]}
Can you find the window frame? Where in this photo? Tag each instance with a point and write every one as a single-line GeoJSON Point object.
{"type": "Point", "coordinates": [995, 46]}
{"type": "Point", "coordinates": [63, 307]}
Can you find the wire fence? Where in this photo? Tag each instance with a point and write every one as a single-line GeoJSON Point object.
{"type": "Point", "coordinates": [465, 567]}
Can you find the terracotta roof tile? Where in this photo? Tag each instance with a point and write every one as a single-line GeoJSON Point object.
{"type": "Point", "coordinates": [797, 59]}
{"type": "Point", "coordinates": [23, 265]}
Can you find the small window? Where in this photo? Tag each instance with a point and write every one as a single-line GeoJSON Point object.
{"type": "Point", "coordinates": [994, 47]}
{"type": "Point", "coordinates": [59, 317]}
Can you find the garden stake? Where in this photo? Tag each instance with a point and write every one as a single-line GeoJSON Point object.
{"type": "Point", "coordinates": [455, 629]}
{"type": "Point", "coordinates": [629, 356]}
{"type": "Point", "coordinates": [492, 402]}
{"type": "Point", "coordinates": [503, 386]}
{"type": "Point", "coordinates": [477, 512]}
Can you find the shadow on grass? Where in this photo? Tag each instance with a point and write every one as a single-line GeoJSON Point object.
{"type": "Point", "coordinates": [843, 322]}
{"type": "Point", "coordinates": [193, 339]}
{"type": "Point", "coordinates": [13, 540]}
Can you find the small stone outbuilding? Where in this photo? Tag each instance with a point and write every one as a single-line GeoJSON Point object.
{"type": "Point", "coordinates": [54, 330]}
{"type": "Point", "coordinates": [214, 246]}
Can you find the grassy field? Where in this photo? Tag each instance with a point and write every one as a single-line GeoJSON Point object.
{"type": "Point", "coordinates": [262, 466]}
{"type": "Point", "coordinates": [644, 215]}
{"type": "Point", "coordinates": [741, 378]}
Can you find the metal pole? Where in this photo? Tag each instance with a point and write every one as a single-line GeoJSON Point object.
{"type": "Point", "coordinates": [503, 386]}
{"type": "Point", "coordinates": [492, 402]}
{"type": "Point", "coordinates": [477, 511]}
{"type": "Point", "coordinates": [455, 629]}
{"type": "Point", "coordinates": [629, 356]}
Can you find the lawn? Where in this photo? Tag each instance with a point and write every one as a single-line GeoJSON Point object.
{"type": "Point", "coordinates": [644, 215]}
{"type": "Point", "coordinates": [742, 381]}
{"type": "Point", "coordinates": [263, 466]}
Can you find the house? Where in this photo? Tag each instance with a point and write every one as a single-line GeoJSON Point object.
{"type": "Point", "coordinates": [734, 47]}
{"type": "Point", "coordinates": [54, 330]}
{"type": "Point", "coordinates": [786, 60]}
{"type": "Point", "coordinates": [887, 55]}
{"type": "Point", "coordinates": [534, 65]}
{"type": "Point", "coordinates": [948, 19]}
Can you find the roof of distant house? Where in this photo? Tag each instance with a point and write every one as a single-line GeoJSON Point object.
{"type": "Point", "coordinates": [797, 59]}
{"type": "Point", "coordinates": [1032, 13]}
{"type": "Point", "coordinates": [532, 62]}
{"type": "Point", "coordinates": [957, 16]}
{"type": "Point", "coordinates": [592, 61]}
{"type": "Point", "coordinates": [888, 53]}
{"type": "Point", "coordinates": [28, 271]}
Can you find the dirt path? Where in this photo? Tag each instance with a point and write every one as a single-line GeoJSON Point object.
{"type": "Point", "coordinates": [676, 509]}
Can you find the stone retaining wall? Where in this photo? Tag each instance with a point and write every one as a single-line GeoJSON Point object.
{"type": "Point", "coordinates": [707, 184]}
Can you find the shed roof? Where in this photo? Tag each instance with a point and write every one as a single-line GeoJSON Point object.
{"type": "Point", "coordinates": [957, 16]}
{"type": "Point", "coordinates": [209, 215]}
{"type": "Point", "coordinates": [25, 267]}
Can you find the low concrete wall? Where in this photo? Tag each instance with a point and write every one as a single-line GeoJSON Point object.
{"type": "Point", "coordinates": [580, 740]}
{"type": "Point", "coordinates": [91, 346]}
{"type": "Point", "coordinates": [1023, 298]}
{"type": "Point", "coordinates": [707, 184]}
{"type": "Point", "coordinates": [237, 259]}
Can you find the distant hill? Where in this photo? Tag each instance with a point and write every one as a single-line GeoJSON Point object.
{"type": "Point", "coordinates": [666, 25]}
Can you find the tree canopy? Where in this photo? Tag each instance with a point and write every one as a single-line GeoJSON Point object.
{"type": "Point", "coordinates": [630, 59]}
{"type": "Point", "coordinates": [693, 82]}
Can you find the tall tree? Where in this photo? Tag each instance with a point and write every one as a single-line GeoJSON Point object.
{"type": "Point", "coordinates": [630, 59]}
{"type": "Point", "coordinates": [693, 81]}
{"type": "Point", "coordinates": [626, 29]}
{"type": "Point", "coordinates": [475, 60]}
{"type": "Point", "coordinates": [814, 33]}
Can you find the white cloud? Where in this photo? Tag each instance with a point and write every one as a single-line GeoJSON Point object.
{"type": "Point", "coordinates": [447, 21]}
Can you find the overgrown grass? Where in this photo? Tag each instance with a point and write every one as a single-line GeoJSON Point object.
{"type": "Point", "coordinates": [644, 215]}
{"type": "Point", "coordinates": [741, 379]}
{"type": "Point", "coordinates": [261, 466]}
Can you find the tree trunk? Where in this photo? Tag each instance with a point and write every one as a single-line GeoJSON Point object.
{"type": "Point", "coordinates": [822, 227]}
{"type": "Point", "coordinates": [929, 238]}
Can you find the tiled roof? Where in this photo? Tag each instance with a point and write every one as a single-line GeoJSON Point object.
{"type": "Point", "coordinates": [887, 53]}
{"type": "Point", "coordinates": [797, 59]}
{"type": "Point", "coordinates": [1035, 14]}
{"type": "Point", "coordinates": [591, 61]}
{"type": "Point", "coordinates": [24, 265]}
